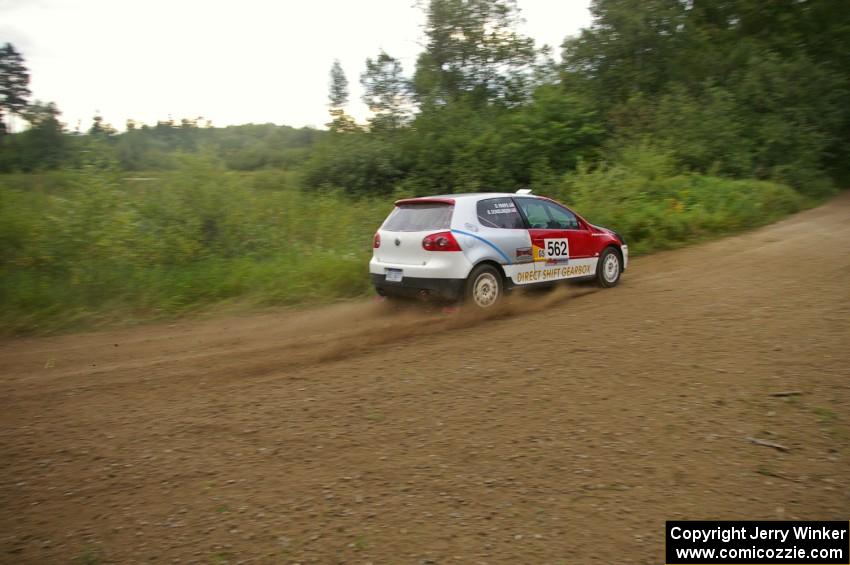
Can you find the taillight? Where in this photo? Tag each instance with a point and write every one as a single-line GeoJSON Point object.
{"type": "Point", "coordinates": [443, 241]}
{"type": "Point", "coordinates": [376, 243]}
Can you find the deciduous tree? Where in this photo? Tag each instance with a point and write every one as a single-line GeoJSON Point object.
{"type": "Point", "coordinates": [385, 92]}
{"type": "Point", "coordinates": [473, 49]}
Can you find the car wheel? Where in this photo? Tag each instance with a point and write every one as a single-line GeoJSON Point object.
{"type": "Point", "coordinates": [609, 268]}
{"type": "Point", "coordinates": [484, 286]}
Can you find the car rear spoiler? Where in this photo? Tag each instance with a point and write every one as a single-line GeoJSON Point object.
{"type": "Point", "coordinates": [450, 201]}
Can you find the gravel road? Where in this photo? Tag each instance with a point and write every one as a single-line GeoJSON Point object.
{"type": "Point", "coordinates": [565, 428]}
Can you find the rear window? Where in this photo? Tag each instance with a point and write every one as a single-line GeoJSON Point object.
{"type": "Point", "coordinates": [420, 217]}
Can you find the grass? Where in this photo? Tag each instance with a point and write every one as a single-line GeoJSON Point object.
{"type": "Point", "coordinates": [89, 556]}
{"type": "Point", "coordinates": [85, 248]}
{"type": "Point", "coordinates": [825, 415]}
{"type": "Point", "coordinates": [360, 544]}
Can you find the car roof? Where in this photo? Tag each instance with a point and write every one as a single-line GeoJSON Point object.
{"type": "Point", "coordinates": [462, 196]}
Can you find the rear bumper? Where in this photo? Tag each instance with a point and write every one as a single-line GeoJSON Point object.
{"type": "Point", "coordinates": [414, 287]}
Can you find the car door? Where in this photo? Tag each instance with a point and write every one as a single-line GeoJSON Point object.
{"type": "Point", "coordinates": [500, 235]}
{"type": "Point", "coordinates": [578, 234]}
{"type": "Point", "coordinates": [556, 233]}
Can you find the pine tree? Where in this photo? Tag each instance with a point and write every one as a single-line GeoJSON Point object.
{"type": "Point", "coordinates": [338, 99]}
{"type": "Point", "coordinates": [14, 84]}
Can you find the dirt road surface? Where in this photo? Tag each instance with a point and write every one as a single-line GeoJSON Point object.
{"type": "Point", "coordinates": [565, 429]}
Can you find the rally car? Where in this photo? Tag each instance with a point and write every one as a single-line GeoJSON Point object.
{"type": "Point", "coordinates": [477, 246]}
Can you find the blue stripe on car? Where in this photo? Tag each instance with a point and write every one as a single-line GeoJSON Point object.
{"type": "Point", "coordinates": [499, 251]}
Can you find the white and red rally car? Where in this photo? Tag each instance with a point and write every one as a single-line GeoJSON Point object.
{"type": "Point", "coordinates": [475, 246]}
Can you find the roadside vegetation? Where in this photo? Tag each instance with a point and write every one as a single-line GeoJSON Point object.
{"type": "Point", "coordinates": [670, 122]}
{"type": "Point", "coordinates": [88, 246]}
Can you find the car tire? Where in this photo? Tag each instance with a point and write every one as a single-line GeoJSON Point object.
{"type": "Point", "coordinates": [484, 287]}
{"type": "Point", "coordinates": [609, 268]}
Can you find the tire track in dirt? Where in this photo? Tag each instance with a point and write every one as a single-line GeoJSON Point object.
{"type": "Point", "coordinates": [337, 333]}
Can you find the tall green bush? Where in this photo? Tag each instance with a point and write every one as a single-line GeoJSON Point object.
{"type": "Point", "coordinates": [645, 198]}
{"type": "Point", "coordinates": [96, 244]}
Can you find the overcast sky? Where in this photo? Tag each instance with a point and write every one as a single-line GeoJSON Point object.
{"type": "Point", "coordinates": [231, 62]}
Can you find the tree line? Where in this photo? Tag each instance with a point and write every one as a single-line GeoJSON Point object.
{"type": "Point", "coordinates": [47, 143]}
{"type": "Point", "coordinates": [737, 88]}
{"type": "Point", "coordinates": [733, 88]}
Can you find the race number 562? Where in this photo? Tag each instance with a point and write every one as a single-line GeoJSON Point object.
{"type": "Point", "coordinates": [556, 248]}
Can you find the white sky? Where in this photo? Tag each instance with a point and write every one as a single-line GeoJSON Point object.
{"type": "Point", "coordinates": [232, 62]}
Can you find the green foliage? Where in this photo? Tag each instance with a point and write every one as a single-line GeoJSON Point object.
{"type": "Point", "coordinates": [79, 247]}
{"type": "Point", "coordinates": [91, 245]}
{"type": "Point", "coordinates": [355, 162]}
{"type": "Point", "coordinates": [243, 148]}
{"type": "Point", "coordinates": [385, 92]}
{"type": "Point", "coordinates": [338, 99]}
{"type": "Point", "coordinates": [555, 130]}
{"type": "Point", "coordinates": [473, 51]}
{"type": "Point", "coordinates": [767, 128]}
{"type": "Point", "coordinates": [101, 128]}
{"type": "Point", "coordinates": [733, 86]}
{"type": "Point", "coordinates": [14, 83]}
{"type": "Point", "coordinates": [729, 88]}
{"type": "Point", "coordinates": [706, 83]}
{"type": "Point", "coordinates": [462, 147]}
{"type": "Point", "coordinates": [668, 121]}
{"type": "Point", "coordinates": [42, 146]}
{"type": "Point", "coordinates": [338, 94]}
{"type": "Point", "coordinates": [631, 48]}
{"type": "Point", "coordinates": [646, 199]}
{"type": "Point", "coordinates": [258, 146]}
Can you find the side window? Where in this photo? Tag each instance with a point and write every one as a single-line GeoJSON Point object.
{"type": "Point", "coordinates": [499, 213]}
{"type": "Point", "coordinates": [535, 211]}
{"type": "Point", "coordinates": [543, 214]}
{"type": "Point", "coordinates": [565, 219]}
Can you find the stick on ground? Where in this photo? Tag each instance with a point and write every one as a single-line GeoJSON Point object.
{"type": "Point", "coordinates": [765, 443]}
